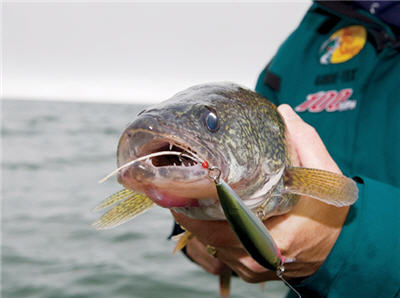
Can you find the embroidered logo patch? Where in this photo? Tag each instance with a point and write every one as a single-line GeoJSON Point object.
{"type": "Point", "coordinates": [330, 101]}
{"type": "Point", "coordinates": [343, 45]}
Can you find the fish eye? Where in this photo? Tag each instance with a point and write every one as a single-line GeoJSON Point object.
{"type": "Point", "coordinates": [211, 120]}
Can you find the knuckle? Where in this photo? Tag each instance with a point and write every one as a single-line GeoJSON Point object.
{"type": "Point", "coordinates": [285, 244]}
{"type": "Point", "coordinates": [309, 130]}
{"type": "Point", "coordinates": [302, 130]}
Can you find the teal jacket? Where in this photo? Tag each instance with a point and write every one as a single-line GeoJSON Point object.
{"type": "Point", "coordinates": [340, 70]}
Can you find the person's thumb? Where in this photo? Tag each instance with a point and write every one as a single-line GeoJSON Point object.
{"type": "Point", "coordinates": [305, 140]}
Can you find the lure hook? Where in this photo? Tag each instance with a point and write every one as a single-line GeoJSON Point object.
{"type": "Point", "coordinates": [214, 173]}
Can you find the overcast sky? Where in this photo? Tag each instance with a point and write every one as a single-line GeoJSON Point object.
{"type": "Point", "coordinates": [136, 52]}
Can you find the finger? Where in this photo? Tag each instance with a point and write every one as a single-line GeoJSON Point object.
{"type": "Point", "coordinates": [211, 232]}
{"type": "Point", "coordinates": [197, 252]}
{"type": "Point", "coordinates": [308, 144]}
{"type": "Point", "coordinates": [246, 267]}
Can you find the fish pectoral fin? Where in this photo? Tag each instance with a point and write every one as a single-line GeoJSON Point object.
{"type": "Point", "coordinates": [328, 187]}
{"type": "Point", "coordinates": [225, 283]}
{"type": "Point", "coordinates": [182, 239]}
{"type": "Point", "coordinates": [131, 206]}
{"type": "Point", "coordinates": [114, 198]}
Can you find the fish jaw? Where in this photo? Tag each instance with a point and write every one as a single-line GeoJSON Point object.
{"type": "Point", "coordinates": [170, 181]}
{"type": "Point", "coordinates": [167, 200]}
{"type": "Point", "coordinates": [164, 190]}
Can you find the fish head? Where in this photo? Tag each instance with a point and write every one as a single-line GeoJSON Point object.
{"type": "Point", "coordinates": [216, 124]}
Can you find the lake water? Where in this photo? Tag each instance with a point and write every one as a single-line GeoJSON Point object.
{"type": "Point", "coordinates": [53, 154]}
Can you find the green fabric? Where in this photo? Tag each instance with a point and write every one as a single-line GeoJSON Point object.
{"type": "Point", "coordinates": [364, 262]}
{"type": "Point", "coordinates": [364, 141]}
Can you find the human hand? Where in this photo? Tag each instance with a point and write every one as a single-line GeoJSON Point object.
{"type": "Point", "coordinates": [307, 233]}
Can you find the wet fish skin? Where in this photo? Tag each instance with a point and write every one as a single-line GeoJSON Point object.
{"type": "Point", "coordinates": [249, 146]}
{"type": "Point", "coordinates": [247, 143]}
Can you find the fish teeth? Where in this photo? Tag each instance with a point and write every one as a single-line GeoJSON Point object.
{"type": "Point", "coordinates": [170, 146]}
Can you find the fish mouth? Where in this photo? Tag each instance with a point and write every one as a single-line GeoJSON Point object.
{"type": "Point", "coordinates": [165, 145]}
{"type": "Point", "coordinates": [179, 179]}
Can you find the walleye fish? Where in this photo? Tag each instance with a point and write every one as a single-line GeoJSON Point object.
{"type": "Point", "coordinates": [164, 157]}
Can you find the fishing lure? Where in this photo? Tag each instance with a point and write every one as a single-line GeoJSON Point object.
{"type": "Point", "coordinates": [249, 229]}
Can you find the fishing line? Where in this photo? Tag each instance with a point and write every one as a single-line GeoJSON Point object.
{"type": "Point", "coordinates": [162, 153]}
{"type": "Point", "coordinates": [289, 285]}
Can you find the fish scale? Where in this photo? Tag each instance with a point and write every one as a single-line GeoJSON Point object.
{"type": "Point", "coordinates": [249, 147]}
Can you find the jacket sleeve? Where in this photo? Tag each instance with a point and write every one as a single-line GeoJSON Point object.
{"type": "Point", "coordinates": [364, 261]}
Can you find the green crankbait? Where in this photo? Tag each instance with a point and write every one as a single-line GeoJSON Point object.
{"type": "Point", "coordinates": [249, 229]}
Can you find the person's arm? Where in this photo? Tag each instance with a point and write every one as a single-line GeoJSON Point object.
{"type": "Point", "coordinates": [365, 259]}
{"type": "Point", "coordinates": [362, 258]}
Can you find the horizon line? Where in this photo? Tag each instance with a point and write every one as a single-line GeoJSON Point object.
{"type": "Point", "coordinates": [146, 101]}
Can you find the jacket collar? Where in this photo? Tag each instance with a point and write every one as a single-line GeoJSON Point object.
{"type": "Point", "coordinates": [381, 32]}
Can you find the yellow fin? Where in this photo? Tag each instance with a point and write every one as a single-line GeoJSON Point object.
{"type": "Point", "coordinates": [330, 188]}
{"type": "Point", "coordinates": [225, 283]}
{"type": "Point", "coordinates": [129, 208]}
{"type": "Point", "coordinates": [182, 240]}
{"type": "Point", "coordinates": [114, 198]}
